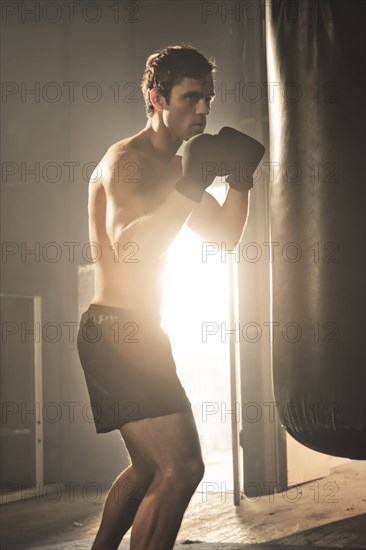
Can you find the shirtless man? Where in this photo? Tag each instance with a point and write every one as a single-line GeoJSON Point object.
{"type": "Point", "coordinates": [142, 197]}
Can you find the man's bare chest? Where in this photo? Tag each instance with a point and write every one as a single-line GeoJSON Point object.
{"type": "Point", "coordinates": [158, 183]}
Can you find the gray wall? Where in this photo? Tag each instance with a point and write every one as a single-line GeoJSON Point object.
{"type": "Point", "coordinates": [37, 211]}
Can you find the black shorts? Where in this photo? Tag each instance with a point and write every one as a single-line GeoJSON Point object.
{"type": "Point", "coordinates": [128, 366]}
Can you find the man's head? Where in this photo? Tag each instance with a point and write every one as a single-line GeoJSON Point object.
{"type": "Point", "coordinates": [178, 83]}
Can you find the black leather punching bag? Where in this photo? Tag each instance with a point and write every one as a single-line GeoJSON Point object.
{"type": "Point", "coordinates": [316, 64]}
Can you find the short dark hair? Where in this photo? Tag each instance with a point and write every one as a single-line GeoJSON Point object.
{"type": "Point", "coordinates": [169, 66]}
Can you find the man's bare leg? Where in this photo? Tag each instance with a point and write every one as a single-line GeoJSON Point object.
{"type": "Point", "coordinates": [171, 443]}
{"type": "Point", "coordinates": [121, 505]}
{"type": "Point", "coordinates": [155, 491]}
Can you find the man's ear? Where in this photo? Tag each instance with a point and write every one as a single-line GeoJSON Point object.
{"type": "Point", "coordinates": [157, 99]}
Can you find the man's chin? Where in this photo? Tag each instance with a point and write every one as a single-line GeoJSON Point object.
{"type": "Point", "coordinates": [195, 131]}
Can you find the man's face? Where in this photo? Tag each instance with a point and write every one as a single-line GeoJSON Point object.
{"type": "Point", "coordinates": [189, 105]}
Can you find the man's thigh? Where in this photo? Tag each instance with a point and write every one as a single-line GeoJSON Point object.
{"type": "Point", "coordinates": [163, 440]}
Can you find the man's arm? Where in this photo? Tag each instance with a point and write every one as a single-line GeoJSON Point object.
{"type": "Point", "coordinates": [239, 155]}
{"type": "Point", "coordinates": [226, 223]}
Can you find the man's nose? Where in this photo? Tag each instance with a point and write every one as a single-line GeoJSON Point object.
{"type": "Point", "coordinates": [203, 107]}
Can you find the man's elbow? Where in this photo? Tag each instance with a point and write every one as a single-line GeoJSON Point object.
{"type": "Point", "coordinates": [219, 244]}
{"type": "Point", "coordinates": [222, 238]}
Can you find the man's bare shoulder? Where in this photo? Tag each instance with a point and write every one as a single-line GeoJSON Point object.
{"type": "Point", "coordinates": [123, 158]}
{"type": "Point", "coordinates": [124, 149]}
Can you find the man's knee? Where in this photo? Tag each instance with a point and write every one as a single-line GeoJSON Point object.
{"type": "Point", "coordinates": [184, 475]}
{"type": "Point", "coordinates": [194, 469]}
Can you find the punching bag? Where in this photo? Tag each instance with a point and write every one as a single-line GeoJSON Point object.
{"type": "Point", "coordinates": [315, 65]}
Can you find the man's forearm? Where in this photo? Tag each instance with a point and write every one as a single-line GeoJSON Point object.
{"type": "Point", "coordinates": [229, 223]}
{"type": "Point", "coordinates": [234, 212]}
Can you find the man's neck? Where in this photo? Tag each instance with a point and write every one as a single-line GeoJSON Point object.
{"type": "Point", "coordinates": [162, 142]}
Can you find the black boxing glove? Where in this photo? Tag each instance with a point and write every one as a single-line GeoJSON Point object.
{"type": "Point", "coordinates": [200, 165]}
{"type": "Point", "coordinates": [242, 154]}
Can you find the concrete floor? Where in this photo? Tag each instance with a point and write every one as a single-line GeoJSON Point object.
{"type": "Point", "coordinates": [316, 520]}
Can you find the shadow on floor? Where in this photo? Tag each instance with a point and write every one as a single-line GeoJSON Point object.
{"type": "Point", "coordinates": [27, 542]}
{"type": "Point", "coordinates": [350, 531]}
